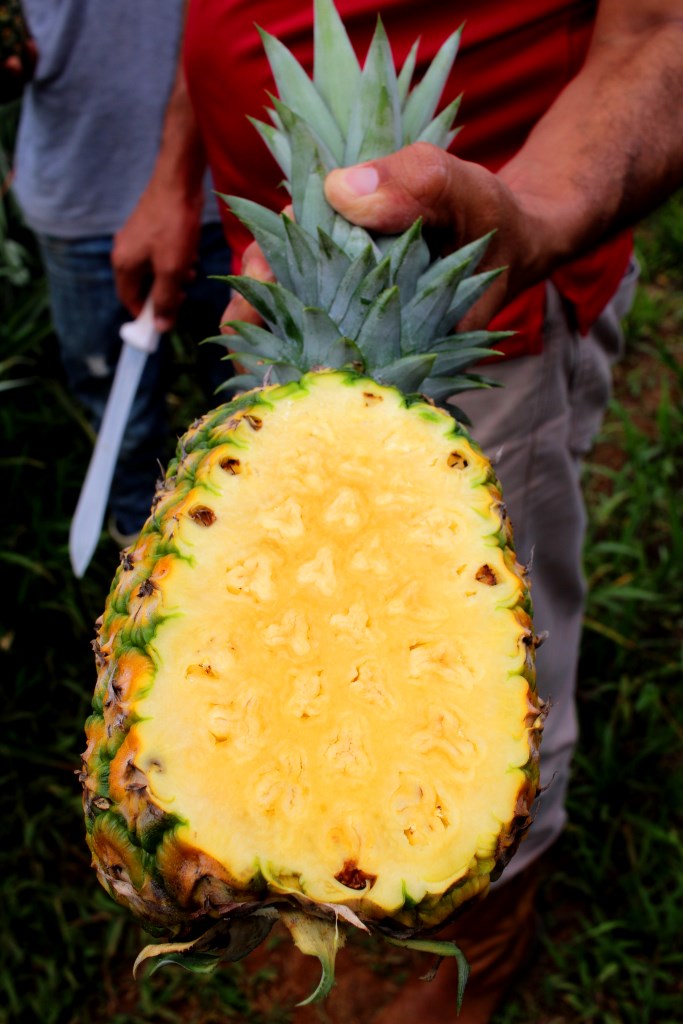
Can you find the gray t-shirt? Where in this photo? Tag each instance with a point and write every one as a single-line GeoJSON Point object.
{"type": "Point", "coordinates": [91, 118]}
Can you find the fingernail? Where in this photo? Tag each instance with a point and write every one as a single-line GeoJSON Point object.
{"type": "Point", "coordinates": [362, 181]}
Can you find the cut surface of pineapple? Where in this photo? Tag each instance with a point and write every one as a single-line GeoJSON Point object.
{"type": "Point", "coordinates": [339, 703]}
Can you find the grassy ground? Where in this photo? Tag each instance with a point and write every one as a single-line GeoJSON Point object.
{"type": "Point", "coordinates": [612, 892]}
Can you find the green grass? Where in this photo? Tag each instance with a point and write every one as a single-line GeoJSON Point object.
{"type": "Point", "coordinates": [612, 891]}
{"type": "Point", "coordinates": [612, 894]}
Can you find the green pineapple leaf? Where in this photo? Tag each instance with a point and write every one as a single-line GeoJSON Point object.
{"type": "Point", "coordinates": [409, 257]}
{"type": "Point", "coordinates": [297, 91]}
{"type": "Point", "coordinates": [407, 373]}
{"type": "Point", "coordinates": [196, 963]}
{"type": "Point", "coordinates": [315, 936]}
{"type": "Point", "coordinates": [422, 102]}
{"type": "Point", "coordinates": [268, 229]}
{"type": "Point", "coordinates": [281, 309]}
{"type": "Point", "coordinates": [469, 291]}
{"type": "Point", "coordinates": [311, 161]}
{"type": "Point", "coordinates": [334, 264]}
{"type": "Point", "coordinates": [477, 340]}
{"type": "Point", "coordinates": [321, 334]}
{"type": "Point", "coordinates": [379, 338]}
{"type": "Point", "coordinates": [369, 287]}
{"type": "Point", "coordinates": [278, 144]}
{"type": "Point", "coordinates": [303, 258]}
{"type": "Point", "coordinates": [336, 72]}
{"type": "Point", "coordinates": [441, 949]}
{"type": "Point", "coordinates": [406, 73]}
{"type": "Point", "coordinates": [459, 358]}
{"type": "Point", "coordinates": [440, 131]}
{"type": "Point", "coordinates": [352, 239]}
{"type": "Point", "coordinates": [264, 343]}
{"type": "Point", "coordinates": [375, 124]}
{"type": "Point", "coordinates": [428, 314]}
{"type": "Point", "coordinates": [473, 253]}
{"type": "Point", "coordinates": [441, 388]}
{"type": "Point", "coordinates": [342, 308]}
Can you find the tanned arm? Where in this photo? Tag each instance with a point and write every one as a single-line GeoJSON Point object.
{"type": "Point", "coordinates": [157, 247]}
{"type": "Point", "coordinates": [608, 151]}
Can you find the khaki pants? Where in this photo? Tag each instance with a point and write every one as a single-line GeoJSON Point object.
{"type": "Point", "coordinates": [540, 424]}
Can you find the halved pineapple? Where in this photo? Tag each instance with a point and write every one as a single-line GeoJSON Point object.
{"type": "Point", "coordinates": [320, 690]}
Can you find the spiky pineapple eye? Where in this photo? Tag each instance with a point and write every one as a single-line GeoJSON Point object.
{"type": "Point", "coordinates": [352, 877]}
{"type": "Point", "coordinates": [456, 460]}
{"type": "Point", "coordinates": [231, 465]}
{"type": "Point", "coordinates": [202, 515]}
{"type": "Point", "coordinates": [485, 574]}
{"type": "Point", "coordinates": [371, 398]}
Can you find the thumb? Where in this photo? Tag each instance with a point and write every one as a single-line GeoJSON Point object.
{"type": "Point", "coordinates": [389, 194]}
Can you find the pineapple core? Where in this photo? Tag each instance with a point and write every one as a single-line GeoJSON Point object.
{"type": "Point", "coordinates": [339, 704]}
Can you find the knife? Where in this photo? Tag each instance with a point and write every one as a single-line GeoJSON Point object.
{"type": "Point", "coordinates": [140, 338]}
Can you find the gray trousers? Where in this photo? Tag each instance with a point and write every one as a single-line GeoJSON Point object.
{"type": "Point", "coordinates": [540, 424]}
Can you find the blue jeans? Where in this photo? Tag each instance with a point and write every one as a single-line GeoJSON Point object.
{"type": "Point", "coordinates": [87, 316]}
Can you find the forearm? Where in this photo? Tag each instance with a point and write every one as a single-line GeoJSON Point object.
{"type": "Point", "coordinates": [608, 150]}
{"type": "Point", "coordinates": [611, 147]}
{"type": "Point", "coordinates": [157, 246]}
{"type": "Point", "coordinates": [181, 160]}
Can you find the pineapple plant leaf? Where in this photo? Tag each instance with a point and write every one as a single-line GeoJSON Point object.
{"type": "Point", "coordinates": [316, 695]}
{"type": "Point", "coordinates": [421, 103]}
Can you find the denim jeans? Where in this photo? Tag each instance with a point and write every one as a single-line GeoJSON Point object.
{"type": "Point", "coordinates": [87, 316]}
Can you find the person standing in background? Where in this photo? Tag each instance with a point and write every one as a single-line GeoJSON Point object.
{"type": "Point", "coordinates": [100, 78]}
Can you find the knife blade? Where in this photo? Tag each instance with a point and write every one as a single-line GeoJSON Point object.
{"type": "Point", "coordinates": [140, 338]}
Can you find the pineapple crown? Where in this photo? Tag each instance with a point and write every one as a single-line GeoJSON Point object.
{"type": "Point", "coordinates": [344, 297]}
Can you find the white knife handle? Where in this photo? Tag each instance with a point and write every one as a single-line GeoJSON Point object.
{"type": "Point", "coordinates": [141, 333]}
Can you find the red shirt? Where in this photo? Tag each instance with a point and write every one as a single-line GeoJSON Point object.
{"type": "Point", "coordinates": [515, 57]}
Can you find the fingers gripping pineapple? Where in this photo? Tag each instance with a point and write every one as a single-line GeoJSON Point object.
{"type": "Point", "coordinates": [316, 694]}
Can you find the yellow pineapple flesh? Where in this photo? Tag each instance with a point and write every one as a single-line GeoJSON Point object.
{"type": "Point", "coordinates": [340, 704]}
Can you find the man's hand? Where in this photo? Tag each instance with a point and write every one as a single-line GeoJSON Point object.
{"type": "Point", "coordinates": [596, 162]}
{"type": "Point", "coordinates": [458, 202]}
{"type": "Point", "coordinates": [156, 251]}
{"type": "Point", "coordinates": [16, 69]}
